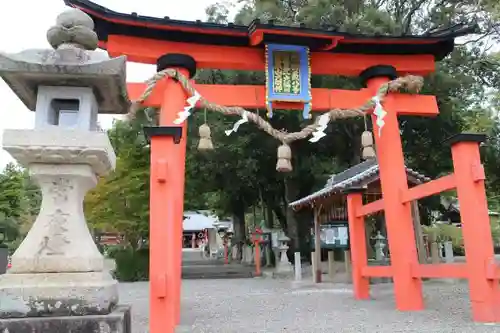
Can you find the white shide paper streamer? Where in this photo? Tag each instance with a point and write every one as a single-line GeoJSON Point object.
{"type": "Point", "coordinates": [380, 113]}
{"type": "Point", "coordinates": [244, 119]}
{"type": "Point", "coordinates": [323, 121]}
{"type": "Point", "coordinates": [182, 116]}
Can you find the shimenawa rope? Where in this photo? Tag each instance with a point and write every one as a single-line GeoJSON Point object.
{"type": "Point", "coordinates": [409, 83]}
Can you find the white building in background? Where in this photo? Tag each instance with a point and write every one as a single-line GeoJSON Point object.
{"type": "Point", "coordinates": [201, 227]}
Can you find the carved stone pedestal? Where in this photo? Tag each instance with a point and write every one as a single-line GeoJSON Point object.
{"type": "Point", "coordinates": [117, 321]}
{"type": "Point", "coordinates": [58, 270]}
{"type": "Point", "coordinates": [57, 294]}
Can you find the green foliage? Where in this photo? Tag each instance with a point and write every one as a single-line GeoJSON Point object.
{"type": "Point", "coordinates": [131, 264]}
{"type": "Point", "coordinates": [11, 194]}
{"type": "Point", "coordinates": [10, 228]}
{"type": "Point", "coordinates": [120, 202]}
{"type": "Point", "coordinates": [20, 201]}
{"type": "Point", "coordinates": [447, 232]}
{"type": "Point", "coordinates": [465, 85]}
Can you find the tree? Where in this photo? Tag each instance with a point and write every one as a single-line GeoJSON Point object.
{"type": "Point", "coordinates": [120, 202]}
{"type": "Point", "coordinates": [11, 191]}
{"type": "Point", "coordinates": [461, 90]}
{"type": "Point", "coordinates": [20, 201]}
{"type": "Point", "coordinates": [9, 227]}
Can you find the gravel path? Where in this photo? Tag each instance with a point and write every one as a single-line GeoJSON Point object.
{"type": "Point", "coordinates": [267, 305]}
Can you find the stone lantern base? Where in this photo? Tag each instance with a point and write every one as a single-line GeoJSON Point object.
{"type": "Point", "coordinates": [283, 266]}
{"type": "Point", "coordinates": [57, 294]}
{"type": "Point", "coordinates": [116, 322]}
{"type": "Point", "coordinates": [58, 270]}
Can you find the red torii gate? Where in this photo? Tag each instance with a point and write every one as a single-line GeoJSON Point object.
{"type": "Point", "coordinates": [376, 60]}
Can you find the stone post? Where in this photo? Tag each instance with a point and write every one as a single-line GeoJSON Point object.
{"type": "Point", "coordinates": [435, 257]}
{"type": "Point", "coordinates": [298, 266]}
{"type": "Point", "coordinates": [313, 266]}
{"type": "Point", "coordinates": [331, 265]}
{"type": "Point", "coordinates": [347, 263]}
{"type": "Point", "coordinates": [235, 253]}
{"type": "Point", "coordinates": [58, 271]}
{"type": "Point", "coordinates": [448, 252]}
{"type": "Point", "coordinates": [248, 254]}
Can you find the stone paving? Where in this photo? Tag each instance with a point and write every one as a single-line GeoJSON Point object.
{"type": "Point", "coordinates": [267, 305]}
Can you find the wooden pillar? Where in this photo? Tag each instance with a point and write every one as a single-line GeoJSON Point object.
{"type": "Point", "coordinates": [357, 240]}
{"type": "Point", "coordinates": [331, 265]}
{"type": "Point", "coordinates": [166, 202]}
{"type": "Point", "coordinates": [394, 182]}
{"type": "Point", "coordinates": [469, 177]}
{"type": "Point", "coordinates": [347, 263]}
{"type": "Point", "coordinates": [419, 237]}
{"type": "Point", "coordinates": [317, 246]}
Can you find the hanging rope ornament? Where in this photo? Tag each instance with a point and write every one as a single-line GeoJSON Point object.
{"type": "Point", "coordinates": [284, 163]}
{"type": "Point", "coordinates": [409, 83]}
{"type": "Point", "coordinates": [367, 143]}
{"type": "Point", "coordinates": [205, 133]}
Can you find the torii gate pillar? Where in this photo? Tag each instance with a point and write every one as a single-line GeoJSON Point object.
{"type": "Point", "coordinates": [394, 181]}
{"type": "Point", "coordinates": [168, 155]}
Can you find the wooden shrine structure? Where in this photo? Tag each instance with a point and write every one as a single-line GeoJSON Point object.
{"type": "Point", "coordinates": [187, 46]}
{"type": "Point", "coordinates": [329, 204]}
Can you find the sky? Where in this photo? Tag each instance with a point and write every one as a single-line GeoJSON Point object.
{"type": "Point", "coordinates": [25, 28]}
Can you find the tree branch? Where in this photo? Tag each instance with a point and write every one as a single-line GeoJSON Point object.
{"type": "Point", "coordinates": [409, 16]}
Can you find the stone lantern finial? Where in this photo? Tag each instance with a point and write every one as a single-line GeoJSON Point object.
{"type": "Point", "coordinates": [73, 28]}
{"type": "Point", "coordinates": [72, 62]}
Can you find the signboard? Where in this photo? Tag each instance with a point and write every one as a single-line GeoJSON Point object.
{"type": "Point", "coordinates": [288, 76]}
{"type": "Point", "coordinates": [333, 236]}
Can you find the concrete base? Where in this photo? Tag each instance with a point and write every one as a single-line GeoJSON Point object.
{"type": "Point", "coordinates": [117, 321]}
{"type": "Point", "coordinates": [57, 294]}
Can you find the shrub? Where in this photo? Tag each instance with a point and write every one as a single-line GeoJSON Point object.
{"type": "Point", "coordinates": [131, 265]}
{"type": "Point", "coordinates": [447, 232]}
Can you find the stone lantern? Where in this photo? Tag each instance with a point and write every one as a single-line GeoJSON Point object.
{"type": "Point", "coordinates": [283, 265]}
{"type": "Point", "coordinates": [380, 245]}
{"type": "Point", "coordinates": [58, 270]}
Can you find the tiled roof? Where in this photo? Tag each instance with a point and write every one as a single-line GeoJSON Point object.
{"type": "Point", "coordinates": [359, 175]}
{"type": "Point", "coordinates": [111, 23]}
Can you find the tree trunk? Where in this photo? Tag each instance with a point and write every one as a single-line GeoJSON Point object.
{"type": "Point", "coordinates": [239, 225]}
{"type": "Point", "coordinates": [291, 193]}
{"type": "Point", "coordinates": [352, 6]}
{"type": "Point", "coordinates": [269, 217]}
{"type": "Point", "coordinates": [304, 220]}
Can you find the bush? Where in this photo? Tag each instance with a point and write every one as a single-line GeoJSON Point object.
{"type": "Point", "coordinates": [131, 265]}
{"type": "Point", "coordinates": [447, 232]}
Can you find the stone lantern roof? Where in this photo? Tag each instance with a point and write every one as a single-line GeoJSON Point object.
{"type": "Point", "coordinates": [73, 61]}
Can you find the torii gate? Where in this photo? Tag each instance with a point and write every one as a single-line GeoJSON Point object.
{"type": "Point", "coordinates": [188, 46]}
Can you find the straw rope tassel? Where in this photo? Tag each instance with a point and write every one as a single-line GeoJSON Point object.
{"type": "Point", "coordinates": [367, 144]}
{"type": "Point", "coordinates": [284, 163]}
{"type": "Point", "coordinates": [205, 133]}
